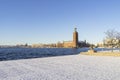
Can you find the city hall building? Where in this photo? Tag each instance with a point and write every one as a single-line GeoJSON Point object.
{"type": "Point", "coordinates": [74, 42]}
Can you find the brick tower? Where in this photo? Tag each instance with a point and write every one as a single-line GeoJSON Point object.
{"type": "Point", "coordinates": [75, 38]}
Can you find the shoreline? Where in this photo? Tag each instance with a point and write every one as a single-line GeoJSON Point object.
{"type": "Point", "coordinates": [116, 54]}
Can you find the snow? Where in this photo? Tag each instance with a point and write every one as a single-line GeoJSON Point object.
{"type": "Point", "coordinates": [72, 67]}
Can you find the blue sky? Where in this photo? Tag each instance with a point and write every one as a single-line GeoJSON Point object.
{"type": "Point", "coordinates": [50, 21]}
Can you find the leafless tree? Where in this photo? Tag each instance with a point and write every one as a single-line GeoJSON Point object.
{"type": "Point", "coordinates": [112, 36]}
{"type": "Point", "coordinates": [118, 35]}
{"type": "Point", "coordinates": [118, 39]}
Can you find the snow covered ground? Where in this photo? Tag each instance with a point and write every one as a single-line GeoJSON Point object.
{"type": "Point", "coordinates": [72, 67]}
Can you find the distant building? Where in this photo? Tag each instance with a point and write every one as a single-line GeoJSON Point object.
{"type": "Point", "coordinates": [111, 42]}
{"type": "Point", "coordinates": [74, 43]}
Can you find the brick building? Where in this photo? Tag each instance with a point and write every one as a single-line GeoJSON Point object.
{"type": "Point", "coordinates": [74, 42]}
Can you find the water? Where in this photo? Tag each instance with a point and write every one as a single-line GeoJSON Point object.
{"type": "Point", "coordinates": [26, 53]}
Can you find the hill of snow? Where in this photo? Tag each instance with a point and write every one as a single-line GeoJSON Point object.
{"type": "Point", "coordinates": [73, 67]}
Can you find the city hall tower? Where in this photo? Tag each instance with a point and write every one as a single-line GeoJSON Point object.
{"type": "Point", "coordinates": [75, 38]}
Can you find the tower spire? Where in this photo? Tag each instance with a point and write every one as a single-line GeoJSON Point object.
{"type": "Point", "coordinates": [75, 29]}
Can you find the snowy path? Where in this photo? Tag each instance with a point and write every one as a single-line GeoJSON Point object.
{"type": "Point", "coordinates": [73, 67]}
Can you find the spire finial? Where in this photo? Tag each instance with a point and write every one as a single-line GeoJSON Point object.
{"type": "Point", "coordinates": [75, 29]}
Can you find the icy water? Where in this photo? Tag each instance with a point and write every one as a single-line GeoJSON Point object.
{"type": "Point", "coordinates": [25, 53]}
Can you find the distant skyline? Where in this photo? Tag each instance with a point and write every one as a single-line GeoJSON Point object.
{"type": "Point", "coordinates": [50, 21]}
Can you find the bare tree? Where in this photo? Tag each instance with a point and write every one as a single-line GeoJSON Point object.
{"type": "Point", "coordinates": [111, 36]}
{"type": "Point", "coordinates": [118, 39]}
{"type": "Point", "coordinates": [118, 35]}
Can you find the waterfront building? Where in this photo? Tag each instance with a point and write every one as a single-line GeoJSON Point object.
{"type": "Point", "coordinates": [74, 42]}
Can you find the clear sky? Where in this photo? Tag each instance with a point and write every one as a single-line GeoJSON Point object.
{"type": "Point", "coordinates": [50, 21]}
